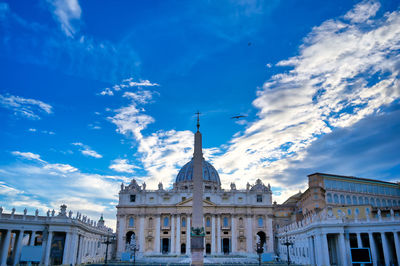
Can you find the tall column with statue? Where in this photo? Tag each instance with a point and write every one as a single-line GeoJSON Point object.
{"type": "Point", "coordinates": [197, 230]}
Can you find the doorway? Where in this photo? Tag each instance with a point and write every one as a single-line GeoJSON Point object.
{"type": "Point", "coordinates": [165, 245]}
{"type": "Point", "coordinates": [263, 239]}
{"type": "Point", "coordinates": [208, 248]}
{"type": "Point", "coordinates": [225, 245]}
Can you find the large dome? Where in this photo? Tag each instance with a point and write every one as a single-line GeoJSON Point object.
{"type": "Point", "coordinates": [209, 173]}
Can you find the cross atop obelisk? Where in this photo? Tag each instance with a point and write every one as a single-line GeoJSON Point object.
{"type": "Point", "coordinates": [197, 232]}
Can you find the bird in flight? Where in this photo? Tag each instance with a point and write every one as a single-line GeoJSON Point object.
{"type": "Point", "coordinates": [238, 116]}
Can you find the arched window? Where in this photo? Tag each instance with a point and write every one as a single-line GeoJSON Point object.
{"type": "Point", "coordinates": [390, 204]}
{"type": "Point", "coordinates": [241, 222]}
{"type": "Point", "coordinates": [398, 203]}
{"type": "Point", "coordinates": [260, 221]}
{"type": "Point", "coordinates": [372, 201]}
{"type": "Point", "coordinates": [378, 202]}
{"type": "Point", "coordinates": [150, 222]}
{"type": "Point", "coordinates": [336, 199]}
{"type": "Point", "coordinates": [360, 200]}
{"type": "Point", "coordinates": [166, 221]}
{"type": "Point", "coordinates": [225, 222]}
{"type": "Point", "coordinates": [354, 200]}
{"type": "Point", "coordinates": [348, 199]}
{"type": "Point", "coordinates": [208, 222]}
{"type": "Point", "coordinates": [329, 198]}
{"type": "Point", "coordinates": [383, 203]}
{"type": "Point", "coordinates": [349, 211]}
{"type": "Point", "coordinates": [131, 222]}
{"type": "Point", "coordinates": [342, 199]}
{"type": "Point", "coordinates": [366, 200]}
{"type": "Point", "coordinates": [183, 248]}
{"type": "Point", "coordinates": [183, 222]}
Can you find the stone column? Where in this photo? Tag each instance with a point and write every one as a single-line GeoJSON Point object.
{"type": "Point", "coordinates": [373, 249]}
{"type": "Point", "coordinates": [141, 234]}
{"type": "Point", "coordinates": [359, 241]}
{"type": "Point", "coordinates": [157, 246]}
{"type": "Point", "coordinates": [397, 245]}
{"type": "Point", "coordinates": [213, 234]}
{"type": "Point", "coordinates": [48, 246]}
{"type": "Point", "coordinates": [18, 247]}
{"type": "Point", "coordinates": [32, 239]}
{"type": "Point", "coordinates": [219, 234]}
{"type": "Point", "coordinates": [4, 252]}
{"type": "Point", "coordinates": [342, 247]}
{"type": "Point", "coordinates": [325, 249]}
{"type": "Point", "coordinates": [249, 235]}
{"type": "Point", "coordinates": [173, 234]}
{"type": "Point", "coordinates": [80, 249]}
{"type": "Point", "coordinates": [385, 247]}
{"type": "Point", "coordinates": [178, 235]}
{"type": "Point", "coordinates": [188, 235]}
{"type": "Point", "coordinates": [318, 243]}
{"type": "Point", "coordinates": [66, 259]}
{"type": "Point", "coordinates": [74, 248]}
{"type": "Point", "coordinates": [233, 231]}
{"type": "Point", "coordinates": [311, 249]}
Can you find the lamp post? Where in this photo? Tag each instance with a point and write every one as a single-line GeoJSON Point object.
{"type": "Point", "coordinates": [260, 250]}
{"type": "Point", "coordinates": [107, 239]}
{"type": "Point", "coordinates": [287, 243]}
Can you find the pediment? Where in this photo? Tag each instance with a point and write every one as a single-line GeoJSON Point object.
{"type": "Point", "coordinates": [188, 203]}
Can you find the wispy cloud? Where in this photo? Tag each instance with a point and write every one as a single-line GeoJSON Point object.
{"type": "Point", "coordinates": [127, 83]}
{"type": "Point", "coordinates": [25, 107]}
{"type": "Point", "coordinates": [28, 155]}
{"type": "Point", "coordinates": [67, 13]}
{"type": "Point", "coordinates": [86, 150]}
{"type": "Point", "coordinates": [122, 166]}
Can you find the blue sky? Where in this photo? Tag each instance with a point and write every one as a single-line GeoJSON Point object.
{"type": "Point", "coordinates": [94, 93]}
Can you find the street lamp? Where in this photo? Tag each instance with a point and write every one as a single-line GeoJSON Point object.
{"type": "Point", "coordinates": [134, 247]}
{"type": "Point", "coordinates": [260, 250]}
{"type": "Point", "coordinates": [287, 243]}
{"type": "Point", "coordinates": [108, 239]}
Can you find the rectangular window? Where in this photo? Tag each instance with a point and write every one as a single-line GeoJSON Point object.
{"type": "Point", "coordinates": [133, 198]}
{"type": "Point", "coordinates": [259, 198]}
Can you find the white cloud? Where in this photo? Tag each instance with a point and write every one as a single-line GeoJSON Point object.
{"type": "Point", "coordinates": [8, 190]}
{"type": "Point", "coordinates": [344, 72]}
{"type": "Point", "coordinates": [28, 155]}
{"type": "Point", "coordinates": [24, 107]}
{"type": "Point", "coordinates": [363, 11]}
{"type": "Point", "coordinates": [32, 129]}
{"type": "Point", "coordinates": [67, 13]}
{"type": "Point", "coordinates": [59, 167]}
{"type": "Point", "coordinates": [86, 150]}
{"type": "Point", "coordinates": [122, 165]}
{"type": "Point", "coordinates": [129, 83]}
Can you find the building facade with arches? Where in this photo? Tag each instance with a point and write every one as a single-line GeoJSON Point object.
{"type": "Point", "coordinates": [160, 220]}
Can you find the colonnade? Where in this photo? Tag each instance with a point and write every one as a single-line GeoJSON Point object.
{"type": "Point", "coordinates": [314, 249]}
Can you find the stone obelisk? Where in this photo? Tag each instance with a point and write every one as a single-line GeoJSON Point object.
{"type": "Point", "coordinates": [197, 230]}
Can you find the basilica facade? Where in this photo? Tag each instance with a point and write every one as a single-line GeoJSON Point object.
{"type": "Point", "coordinates": [159, 221]}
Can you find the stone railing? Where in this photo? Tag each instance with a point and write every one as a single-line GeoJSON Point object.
{"type": "Point", "coordinates": [327, 217]}
{"type": "Point", "coordinates": [51, 216]}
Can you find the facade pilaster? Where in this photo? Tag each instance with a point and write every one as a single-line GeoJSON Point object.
{"type": "Point", "coordinates": [318, 243]}
{"type": "Point", "coordinates": [178, 235]}
{"type": "Point", "coordinates": [4, 252]}
{"type": "Point", "coordinates": [233, 233]}
{"type": "Point", "coordinates": [249, 234]}
{"type": "Point", "coordinates": [213, 234]}
{"type": "Point", "coordinates": [157, 245]}
{"type": "Point", "coordinates": [270, 234]}
{"type": "Point", "coordinates": [74, 248]}
{"type": "Point", "coordinates": [385, 247]}
{"type": "Point", "coordinates": [121, 234]}
{"type": "Point", "coordinates": [188, 235]}
{"type": "Point", "coordinates": [141, 234]}
{"type": "Point", "coordinates": [172, 234]}
{"type": "Point", "coordinates": [219, 234]}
